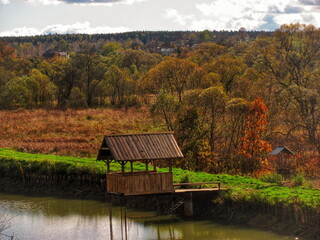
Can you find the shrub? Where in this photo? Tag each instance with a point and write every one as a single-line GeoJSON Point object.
{"type": "Point", "coordinates": [272, 178]}
{"type": "Point", "coordinates": [184, 179]}
{"type": "Point", "coordinates": [298, 180]}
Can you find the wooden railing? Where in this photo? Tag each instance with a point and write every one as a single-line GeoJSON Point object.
{"type": "Point", "coordinates": [139, 184]}
{"type": "Point", "coordinates": [199, 184]}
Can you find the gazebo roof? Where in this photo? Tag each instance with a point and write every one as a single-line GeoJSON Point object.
{"type": "Point", "coordinates": [142, 146]}
{"type": "Point", "coordinates": [280, 149]}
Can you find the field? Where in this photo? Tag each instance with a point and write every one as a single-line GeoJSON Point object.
{"type": "Point", "coordinates": [69, 133]}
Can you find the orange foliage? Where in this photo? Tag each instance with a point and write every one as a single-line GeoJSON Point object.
{"type": "Point", "coordinates": [254, 149]}
{"type": "Point", "coordinates": [5, 51]}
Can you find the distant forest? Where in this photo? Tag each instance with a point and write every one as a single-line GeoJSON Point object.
{"type": "Point", "coordinates": [151, 42]}
{"type": "Point", "coordinates": [226, 95]}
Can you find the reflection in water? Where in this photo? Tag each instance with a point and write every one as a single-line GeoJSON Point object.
{"type": "Point", "coordinates": [52, 218]}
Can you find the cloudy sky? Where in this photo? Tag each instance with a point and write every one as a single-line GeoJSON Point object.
{"type": "Point", "coordinates": [34, 17]}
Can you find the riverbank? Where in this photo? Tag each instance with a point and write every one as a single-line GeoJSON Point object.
{"type": "Point", "coordinates": [292, 210]}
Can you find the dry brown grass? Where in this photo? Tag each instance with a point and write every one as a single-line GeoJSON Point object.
{"type": "Point", "coordinates": [71, 132]}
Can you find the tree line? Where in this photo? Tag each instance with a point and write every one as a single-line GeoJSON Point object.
{"type": "Point", "coordinates": [225, 102]}
{"type": "Point", "coordinates": [145, 40]}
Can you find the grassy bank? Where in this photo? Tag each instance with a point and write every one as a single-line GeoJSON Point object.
{"type": "Point", "coordinates": [297, 207]}
{"type": "Point", "coordinates": [16, 163]}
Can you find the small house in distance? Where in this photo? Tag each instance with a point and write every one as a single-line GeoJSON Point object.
{"type": "Point", "coordinates": [146, 148]}
{"type": "Point", "coordinates": [281, 155]}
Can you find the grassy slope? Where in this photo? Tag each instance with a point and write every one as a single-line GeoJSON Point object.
{"type": "Point", "coordinates": [242, 187]}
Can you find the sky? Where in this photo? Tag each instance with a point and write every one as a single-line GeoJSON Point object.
{"type": "Point", "coordinates": [37, 17]}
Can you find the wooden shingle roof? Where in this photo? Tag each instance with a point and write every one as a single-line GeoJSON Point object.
{"type": "Point", "coordinates": [143, 146]}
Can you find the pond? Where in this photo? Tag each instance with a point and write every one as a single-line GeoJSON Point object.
{"type": "Point", "coordinates": [41, 218]}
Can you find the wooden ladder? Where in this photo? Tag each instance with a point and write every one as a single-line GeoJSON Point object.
{"type": "Point", "coordinates": [174, 207]}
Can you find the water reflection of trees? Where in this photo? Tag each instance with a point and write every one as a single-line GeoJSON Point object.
{"type": "Point", "coordinates": [99, 219]}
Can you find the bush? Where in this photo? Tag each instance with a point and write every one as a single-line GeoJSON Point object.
{"type": "Point", "coordinates": [272, 178]}
{"type": "Point", "coordinates": [184, 179]}
{"type": "Point", "coordinates": [298, 180]}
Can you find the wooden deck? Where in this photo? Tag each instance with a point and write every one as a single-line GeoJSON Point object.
{"type": "Point", "coordinates": [190, 190]}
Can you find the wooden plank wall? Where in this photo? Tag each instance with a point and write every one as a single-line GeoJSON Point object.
{"type": "Point", "coordinates": [138, 184]}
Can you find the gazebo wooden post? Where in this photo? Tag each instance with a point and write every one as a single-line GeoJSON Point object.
{"type": "Point", "coordinates": [154, 166]}
{"type": "Point", "coordinates": [170, 165]}
{"type": "Point", "coordinates": [108, 166]}
{"type": "Point", "coordinates": [131, 166]}
{"type": "Point", "coordinates": [122, 166]}
{"type": "Point", "coordinates": [147, 162]}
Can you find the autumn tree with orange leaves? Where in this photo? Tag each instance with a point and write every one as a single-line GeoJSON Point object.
{"type": "Point", "coordinates": [254, 149]}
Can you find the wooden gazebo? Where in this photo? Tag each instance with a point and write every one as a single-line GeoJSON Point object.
{"type": "Point", "coordinates": [144, 147]}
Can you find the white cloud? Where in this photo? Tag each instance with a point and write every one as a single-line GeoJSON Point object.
{"type": "Point", "coordinates": [78, 2]}
{"type": "Point", "coordinates": [44, 2]}
{"type": "Point", "coordinates": [251, 14]}
{"type": "Point", "coordinates": [132, 1]}
{"type": "Point", "coordinates": [23, 31]}
{"type": "Point", "coordinates": [64, 29]}
{"type": "Point", "coordinates": [176, 17]}
{"type": "Point", "coordinates": [105, 3]}
{"type": "Point", "coordinates": [311, 18]}
{"type": "Point", "coordinates": [233, 14]}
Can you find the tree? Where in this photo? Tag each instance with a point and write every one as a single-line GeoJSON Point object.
{"type": "Point", "coordinates": [26, 50]}
{"type": "Point", "coordinates": [192, 138]}
{"type": "Point", "coordinates": [174, 75]}
{"type": "Point", "coordinates": [43, 90]}
{"type": "Point", "coordinates": [5, 51]}
{"type": "Point", "coordinates": [206, 52]}
{"type": "Point", "coordinates": [111, 49]}
{"type": "Point", "coordinates": [62, 45]}
{"type": "Point", "coordinates": [254, 149]}
{"type": "Point", "coordinates": [142, 60]}
{"type": "Point", "coordinates": [292, 61]}
{"type": "Point", "coordinates": [64, 74]}
{"type": "Point", "coordinates": [213, 102]}
{"type": "Point", "coordinates": [167, 108]}
{"type": "Point", "coordinates": [117, 85]}
{"type": "Point", "coordinates": [76, 99]}
{"type": "Point", "coordinates": [233, 132]}
{"type": "Point", "coordinates": [205, 36]}
{"type": "Point", "coordinates": [16, 94]}
{"type": "Point", "coordinates": [227, 69]}
{"type": "Point", "coordinates": [91, 70]}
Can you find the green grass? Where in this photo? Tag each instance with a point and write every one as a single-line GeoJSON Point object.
{"type": "Point", "coordinates": [240, 187]}
{"type": "Point", "coordinates": [40, 163]}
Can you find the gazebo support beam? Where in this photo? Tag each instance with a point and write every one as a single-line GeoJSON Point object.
{"type": "Point", "coordinates": [123, 163]}
{"type": "Point", "coordinates": [170, 165]}
{"type": "Point", "coordinates": [108, 166]}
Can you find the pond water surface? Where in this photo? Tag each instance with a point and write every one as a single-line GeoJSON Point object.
{"type": "Point", "coordinates": [41, 218]}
